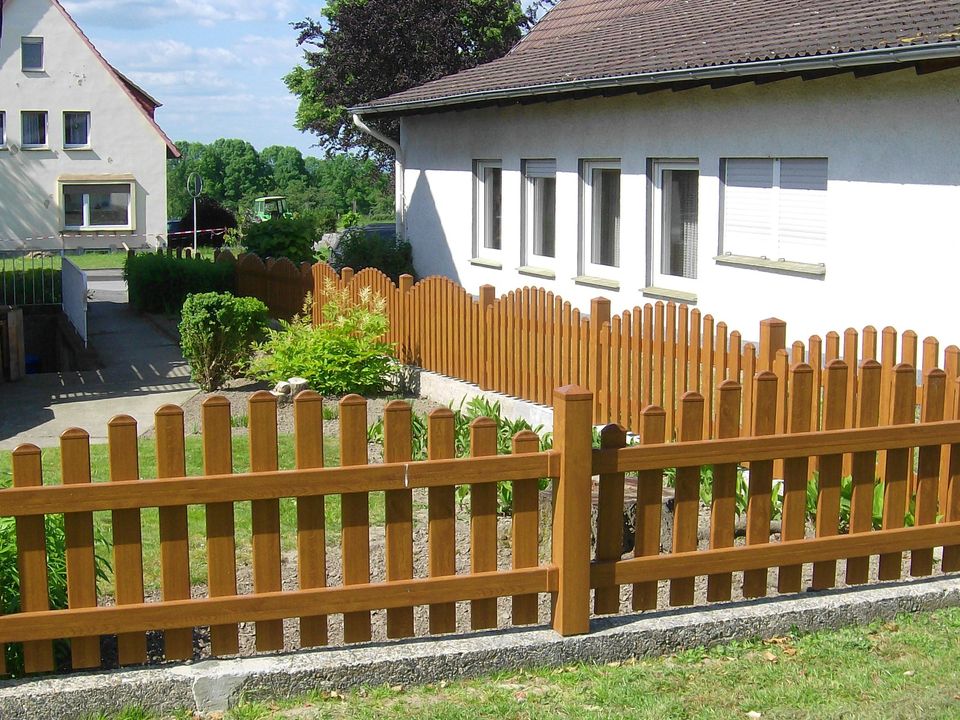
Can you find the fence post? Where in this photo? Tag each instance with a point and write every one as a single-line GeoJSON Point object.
{"type": "Point", "coordinates": [599, 314]}
{"type": "Point", "coordinates": [488, 295]}
{"type": "Point", "coordinates": [773, 337]}
{"type": "Point", "coordinates": [573, 438]}
{"type": "Point", "coordinates": [346, 275]}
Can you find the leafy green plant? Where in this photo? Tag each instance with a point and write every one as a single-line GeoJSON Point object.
{"type": "Point", "coordinates": [359, 248]}
{"type": "Point", "coordinates": [159, 283]}
{"type": "Point", "coordinates": [292, 238]}
{"type": "Point", "coordinates": [217, 335]}
{"type": "Point", "coordinates": [344, 354]}
{"type": "Point", "coordinates": [56, 545]}
{"type": "Point", "coordinates": [463, 418]}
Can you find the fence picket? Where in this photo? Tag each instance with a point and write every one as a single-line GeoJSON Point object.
{"type": "Point", "coordinates": [864, 466]}
{"type": "Point", "coordinates": [761, 479]}
{"type": "Point", "coordinates": [483, 522]}
{"type": "Point", "coordinates": [951, 493]}
{"type": "Point", "coordinates": [311, 514]}
{"type": "Point", "coordinates": [649, 506]}
{"type": "Point", "coordinates": [31, 560]}
{"type": "Point", "coordinates": [796, 475]}
{"type": "Point", "coordinates": [525, 528]}
{"type": "Point", "coordinates": [441, 509]}
{"type": "Point", "coordinates": [174, 540]}
{"type": "Point", "coordinates": [928, 467]}
{"type": "Point", "coordinates": [686, 501]}
{"type": "Point", "coordinates": [355, 515]}
{"type": "Point", "coordinates": [830, 469]}
{"type": "Point", "coordinates": [897, 465]}
{"type": "Point", "coordinates": [606, 600]}
{"type": "Point", "coordinates": [127, 540]}
{"type": "Point", "coordinates": [397, 446]}
{"type": "Point", "coordinates": [265, 514]}
{"type": "Point", "coordinates": [221, 527]}
{"type": "Point", "coordinates": [723, 504]}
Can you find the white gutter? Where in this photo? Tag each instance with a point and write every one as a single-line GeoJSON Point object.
{"type": "Point", "coordinates": [401, 199]}
{"type": "Point", "coordinates": [838, 61]}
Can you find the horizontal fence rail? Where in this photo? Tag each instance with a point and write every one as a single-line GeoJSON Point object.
{"type": "Point", "coordinates": [823, 487]}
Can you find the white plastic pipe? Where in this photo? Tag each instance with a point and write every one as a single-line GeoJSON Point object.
{"type": "Point", "coordinates": [401, 200]}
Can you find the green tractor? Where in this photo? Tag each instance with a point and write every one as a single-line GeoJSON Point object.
{"type": "Point", "coordinates": [272, 207]}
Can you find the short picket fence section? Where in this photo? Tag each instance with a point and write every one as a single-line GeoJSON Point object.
{"type": "Point", "coordinates": [573, 574]}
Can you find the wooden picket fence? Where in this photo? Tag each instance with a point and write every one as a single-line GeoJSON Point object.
{"type": "Point", "coordinates": [568, 573]}
{"type": "Point", "coordinates": [528, 341]}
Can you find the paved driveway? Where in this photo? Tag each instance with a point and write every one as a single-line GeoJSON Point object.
{"type": "Point", "coordinates": [142, 370]}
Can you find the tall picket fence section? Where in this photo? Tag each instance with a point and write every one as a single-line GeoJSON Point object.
{"type": "Point", "coordinates": [280, 284]}
{"type": "Point", "coordinates": [528, 341]}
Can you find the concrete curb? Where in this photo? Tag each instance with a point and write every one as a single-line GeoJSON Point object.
{"type": "Point", "coordinates": [216, 685]}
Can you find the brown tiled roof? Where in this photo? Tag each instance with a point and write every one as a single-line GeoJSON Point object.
{"type": "Point", "coordinates": [593, 40]}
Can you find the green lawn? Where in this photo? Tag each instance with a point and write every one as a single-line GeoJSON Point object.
{"type": "Point", "coordinates": [99, 462]}
{"type": "Point", "coordinates": [906, 669]}
{"type": "Point", "coordinates": [114, 260]}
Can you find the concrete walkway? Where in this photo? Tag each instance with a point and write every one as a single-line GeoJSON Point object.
{"type": "Point", "coordinates": [142, 369]}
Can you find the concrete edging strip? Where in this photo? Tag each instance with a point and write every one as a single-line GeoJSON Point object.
{"type": "Point", "coordinates": [216, 685]}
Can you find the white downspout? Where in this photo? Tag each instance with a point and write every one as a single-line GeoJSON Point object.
{"type": "Point", "coordinates": [401, 199]}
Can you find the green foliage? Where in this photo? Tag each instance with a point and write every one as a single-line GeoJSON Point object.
{"type": "Point", "coordinates": [343, 354]}
{"type": "Point", "coordinates": [160, 283]}
{"type": "Point", "coordinates": [56, 545]}
{"type": "Point", "coordinates": [366, 49]}
{"type": "Point", "coordinates": [350, 219]}
{"type": "Point", "coordinates": [282, 238]}
{"type": "Point", "coordinates": [357, 249]}
{"type": "Point", "coordinates": [463, 418]}
{"type": "Point", "coordinates": [217, 334]}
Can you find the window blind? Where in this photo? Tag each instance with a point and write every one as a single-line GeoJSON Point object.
{"type": "Point", "coordinates": [748, 215]}
{"type": "Point", "coordinates": [803, 209]}
{"type": "Point", "coordinates": [540, 168]}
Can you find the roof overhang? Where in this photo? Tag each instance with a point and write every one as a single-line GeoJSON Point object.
{"type": "Point", "coordinates": [899, 56]}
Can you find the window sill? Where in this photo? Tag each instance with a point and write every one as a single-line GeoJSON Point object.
{"type": "Point", "coordinates": [97, 229]}
{"type": "Point", "coordinates": [34, 148]}
{"type": "Point", "coordinates": [668, 294]}
{"type": "Point", "coordinates": [78, 148]}
{"type": "Point", "coordinates": [597, 282]}
{"type": "Point", "coordinates": [785, 267]}
{"type": "Point", "coordinates": [484, 262]}
{"type": "Point", "coordinates": [539, 272]}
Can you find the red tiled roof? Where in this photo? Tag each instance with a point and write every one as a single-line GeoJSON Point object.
{"type": "Point", "coordinates": [587, 40]}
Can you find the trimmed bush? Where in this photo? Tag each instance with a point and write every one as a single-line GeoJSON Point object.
{"type": "Point", "coordinates": [342, 355]}
{"type": "Point", "coordinates": [217, 335]}
{"type": "Point", "coordinates": [359, 248]}
{"type": "Point", "coordinates": [161, 283]}
{"type": "Point", "coordinates": [283, 237]}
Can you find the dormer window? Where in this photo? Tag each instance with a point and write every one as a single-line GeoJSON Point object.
{"type": "Point", "coordinates": [31, 54]}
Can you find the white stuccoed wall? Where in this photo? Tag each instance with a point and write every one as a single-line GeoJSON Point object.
{"type": "Point", "coordinates": [122, 139]}
{"type": "Point", "coordinates": [892, 144]}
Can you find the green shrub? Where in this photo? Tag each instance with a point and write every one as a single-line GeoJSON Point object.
{"type": "Point", "coordinates": [359, 249]}
{"type": "Point", "coordinates": [160, 283]}
{"type": "Point", "coordinates": [217, 335]}
{"type": "Point", "coordinates": [56, 576]}
{"type": "Point", "coordinates": [283, 238]}
{"type": "Point", "coordinates": [343, 354]}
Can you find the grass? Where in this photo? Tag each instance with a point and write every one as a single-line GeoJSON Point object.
{"type": "Point", "coordinates": [114, 260]}
{"type": "Point", "coordinates": [906, 669]}
{"type": "Point", "coordinates": [196, 514]}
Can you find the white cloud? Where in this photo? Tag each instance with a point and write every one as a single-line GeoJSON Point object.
{"type": "Point", "coordinates": [167, 54]}
{"type": "Point", "coordinates": [141, 12]}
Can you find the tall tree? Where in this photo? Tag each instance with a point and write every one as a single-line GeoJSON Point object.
{"type": "Point", "coordinates": [366, 49]}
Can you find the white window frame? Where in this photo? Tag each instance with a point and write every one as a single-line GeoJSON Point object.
{"type": "Point", "coordinates": [32, 40]}
{"type": "Point", "coordinates": [46, 130]}
{"type": "Point", "coordinates": [480, 249]}
{"type": "Point", "coordinates": [531, 257]}
{"type": "Point", "coordinates": [659, 278]}
{"type": "Point", "coordinates": [589, 229]}
{"type": "Point", "coordinates": [86, 226]}
{"type": "Point", "coordinates": [3, 130]}
{"type": "Point", "coordinates": [74, 146]}
{"type": "Point", "coordinates": [774, 251]}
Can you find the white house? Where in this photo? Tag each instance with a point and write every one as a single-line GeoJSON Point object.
{"type": "Point", "coordinates": [82, 159]}
{"type": "Point", "coordinates": [796, 158]}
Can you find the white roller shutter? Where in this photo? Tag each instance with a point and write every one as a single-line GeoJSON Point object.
{"type": "Point", "coordinates": [749, 215]}
{"type": "Point", "coordinates": [803, 209]}
{"type": "Point", "coordinates": [540, 168]}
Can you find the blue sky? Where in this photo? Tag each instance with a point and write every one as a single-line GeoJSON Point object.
{"type": "Point", "coordinates": [216, 65]}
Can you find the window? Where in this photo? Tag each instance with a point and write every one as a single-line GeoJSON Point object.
{"type": "Point", "coordinates": [775, 208]}
{"type": "Point", "coordinates": [488, 204]}
{"type": "Point", "coordinates": [31, 54]}
{"type": "Point", "coordinates": [601, 215]}
{"type": "Point", "coordinates": [102, 207]}
{"type": "Point", "coordinates": [3, 129]}
{"type": "Point", "coordinates": [76, 129]}
{"type": "Point", "coordinates": [674, 226]}
{"type": "Point", "coordinates": [540, 207]}
{"type": "Point", "coordinates": [34, 129]}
